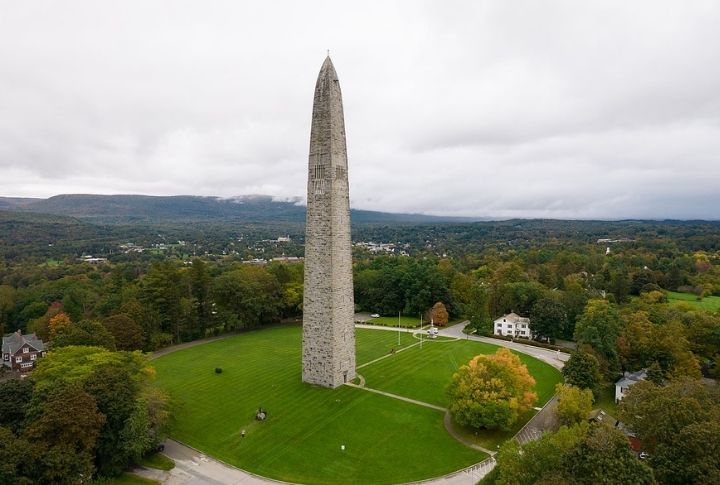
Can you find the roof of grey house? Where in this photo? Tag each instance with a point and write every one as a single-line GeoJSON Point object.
{"type": "Point", "coordinates": [13, 342]}
{"type": "Point", "coordinates": [631, 378]}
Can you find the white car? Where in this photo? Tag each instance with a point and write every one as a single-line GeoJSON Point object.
{"type": "Point", "coordinates": [433, 332]}
{"type": "Point", "coordinates": [374, 315]}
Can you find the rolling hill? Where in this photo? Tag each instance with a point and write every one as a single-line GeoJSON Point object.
{"type": "Point", "coordinates": [142, 208]}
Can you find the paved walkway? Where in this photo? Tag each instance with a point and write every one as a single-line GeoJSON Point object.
{"type": "Point", "coordinates": [399, 398]}
{"type": "Point", "coordinates": [447, 421]}
{"type": "Point", "coordinates": [386, 356]}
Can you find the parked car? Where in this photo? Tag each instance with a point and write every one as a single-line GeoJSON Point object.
{"type": "Point", "coordinates": [433, 332]}
{"type": "Point", "coordinates": [374, 315]}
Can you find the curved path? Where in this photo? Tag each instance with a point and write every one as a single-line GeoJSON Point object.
{"type": "Point", "coordinates": [552, 357]}
{"type": "Point", "coordinates": [192, 467]}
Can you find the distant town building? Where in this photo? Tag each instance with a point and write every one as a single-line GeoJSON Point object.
{"type": "Point", "coordinates": [287, 259]}
{"type": "Point", "coordinates": [90, 260]}
{"type": "Point", "coordinates": [628, 380]}
{"type": "Point", "coordinates": [283, 239]}
{"type": "Point", "coordinates": [20, 352]}
{"type": "Point", "coordinates": [512, 325]}
{"type": "Point", "coordinates": [374, 247]}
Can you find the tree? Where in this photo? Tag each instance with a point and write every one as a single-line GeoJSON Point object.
{"type": "Point", "coordinates": [15, 395]}
{"type": "Point", "coordinates": [58, 324]}
{"type": "Point", "coordinates": [127, 333]}
{"type": "Point", "coordinates": [643, 343]}
{"type": "Point", "coordinates": [66, 431]}
{"type": "Point", "coordinates": [14, 455]}
{"type": "Point", "coordinates": [423, 283]}
{"type": "Point", "coordinates": [599, 327]}
{"type": "Point", "coordinates": [251, 293]}
{"type": "Point", "coordinates": [477, 308]}
{"type": "Point", "coordinates": [491, 391]}
{"type": "Point", "coordinates": [678, 425]}
{"type": "Point", "coordinates": [537, 460]}
{"type": "Point", "coordinates": [162, 290]}
{"type": "Point", "coordinates": [605, 457]}
{"type": "Point", "coordinates": [200, 284]}
{"type": "Point", "coordinates": [574, 404]}
{"type": "Point", "coordinates": [134, 412]}
{"type": "Point", "coordinates": [582, 370]}
{"type": "Point", "coordinates": [86, 332]}
{"type": "Point", "coordinates": [439, 315]}
{"type": "Point", "coordinates": [7, 302]}
{"type": "Point", "coordinates": [548, 317]}
{"type": "Point", "coordinates": [520, 296]}
{"type": "Point", "coordinates": [149, 320]}
{"type": "Point", "coordinates": [581, 454]}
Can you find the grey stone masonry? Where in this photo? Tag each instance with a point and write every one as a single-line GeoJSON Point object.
{"type": "Point", "coordinates": [328, 305]}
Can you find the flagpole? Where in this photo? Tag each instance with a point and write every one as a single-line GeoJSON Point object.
{"type": "Point", "coordinates": [398, 329]}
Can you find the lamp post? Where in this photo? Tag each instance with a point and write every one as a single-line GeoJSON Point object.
{"type": "Point", "coordinates": [398, 329]}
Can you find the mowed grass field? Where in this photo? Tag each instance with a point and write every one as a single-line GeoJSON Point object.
{"type": "Point", "coordinates": [405, 322]}
{"type": "Point", "coordinates": [423, 374]}
{"type": "Point", "coordinates": [386, 440]}
{"type": "Point", "coordinates": [709, 303]}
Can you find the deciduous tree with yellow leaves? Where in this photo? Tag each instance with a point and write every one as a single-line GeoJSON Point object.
{"type": "Point", "coordinates": [491, 391]}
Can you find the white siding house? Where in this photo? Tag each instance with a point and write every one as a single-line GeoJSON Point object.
{"type": "Point", "coordinates": [512, 325]}
{"type": "Point", "coordinates": [628, 379]}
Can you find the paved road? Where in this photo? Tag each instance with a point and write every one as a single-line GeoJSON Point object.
{"type": "Point", "coordinates": [552, 357]}
{"type": "Point", "coordinates": [194, 468]}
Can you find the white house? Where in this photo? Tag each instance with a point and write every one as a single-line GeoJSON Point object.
{"type": "Point", "coordinates": [628, 380]}
{"type": "Point", "coordinates": [512, 325]}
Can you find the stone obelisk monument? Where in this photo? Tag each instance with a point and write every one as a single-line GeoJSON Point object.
{"type": "Point", "coordinates": [328, 304]}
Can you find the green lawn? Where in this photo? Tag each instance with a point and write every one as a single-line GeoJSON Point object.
{"type": "Point", "coordinates": [158, 461]}
{"type": "Point", "coordinates": [130, 479]}
{"type": "Point", "coordinates": [606, 400]}
{"type": "Point", "coordinates": [386, 440]}
{"type": "Point", "coordinates": [709, 303]}
{"type": "Point", "coordinates": [423, 374]}
{"type": "Point", "coordinates": [376, 343]}
{"type": "Point", "coordinates": [405, 322]}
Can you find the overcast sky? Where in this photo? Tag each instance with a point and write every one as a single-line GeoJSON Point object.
{"type": "Point", "coordinates": [566, 109]}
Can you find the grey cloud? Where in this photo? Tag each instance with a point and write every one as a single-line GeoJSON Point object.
{"type": "Point", "coordinates": [498, 109]}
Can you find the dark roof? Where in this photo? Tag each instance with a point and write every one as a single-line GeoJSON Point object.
{"type": "Point", "coordinates": [632, 378]}
{"type": "Point", "coordinates": [13, 342]}
{"type": "Point", "coordinates": [600, 416]}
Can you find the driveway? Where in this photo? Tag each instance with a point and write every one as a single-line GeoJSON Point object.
{"type": "Point", "coordinates": [552, 357]}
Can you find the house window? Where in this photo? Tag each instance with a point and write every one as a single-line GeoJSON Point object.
{"type": "Point", "coordinates": [25, 350]}
{"type": "Point", "coordinates": [6, 357]}
{"type": "Point", "coordinates": [33, 357]}
{"type": "Point", "coordinates": [18, 360]}
{"type": "Point", "coordinates": [26, 365]}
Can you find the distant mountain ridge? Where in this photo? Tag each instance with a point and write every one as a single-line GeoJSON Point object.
{"type": "Point", "coordinates": [148, 208]}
